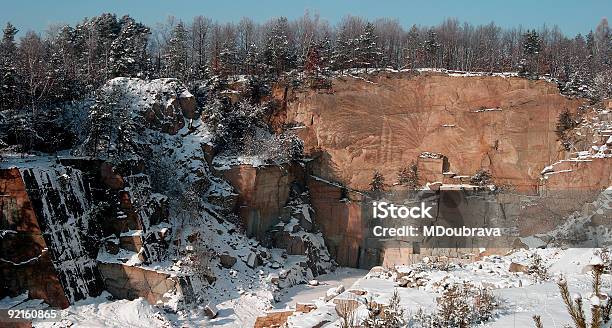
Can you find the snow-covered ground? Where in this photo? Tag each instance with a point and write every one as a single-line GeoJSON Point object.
{"type": "Point", "coordinates": [519, 294]}
{"type": "Point", "coordinates": [306, 293]}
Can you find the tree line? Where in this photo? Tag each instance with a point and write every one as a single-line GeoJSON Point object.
{"type": "Point", "coordinates": [42, 70]}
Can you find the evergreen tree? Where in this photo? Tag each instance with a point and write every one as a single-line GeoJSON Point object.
{"type": "Point", "coordinates": [344, 55]}
{"type": "Point", "coordinates": [532, 45]}
{"type": "Point", "coordinates": [176, 56]}
{"type": "Point", "coordinates": [64, 66]}
{"type": "Point", "coordinates": [431, 47]}
{"type": "Point", "coordinates": [103, 31]}
{"type": "Point", "coordinates": [368, 52]}
{"type": "Point", "coordinates": [252, 62]}
{"type": "Point", "coordinates": [318, 61]}
{"type": "Point", "coordinates": [228, 59]}
{"type": "Point", "coordinates": [278, 53]}
{"type": "Point", "coordinates": [128, 56]}
{"type": "Point", "coordinates": [8, 69]}
{"type": "Point", "coordinates": [98, 126]}
{"type": "Point", "coordinates": [378, 182]}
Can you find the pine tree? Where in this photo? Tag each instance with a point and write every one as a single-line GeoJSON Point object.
{"type": "Point", "coordinates": [228, 59]}
{"type": "Point", "coordinates": [278, 54]}
{"type": "Point", "coordinates": [104, 30]}
{"type": "Point", "coordinates": [64, 65]}
{"type": "Point", "coordinates": [317, 63]}
{"type": "Point", "coordinates": [431, 47]}
{"type": "Point", "coordinates": [8, 69]}
{"type": "Point", "coordinates": [528, 66]}
{"type": "Point", "coordinates": [176, 56]}
{"type": "Point", "coordinates": [378, 182]}
{"type": "Point", "coordinates": [128, 56]}
{"type": "Point", "coordinates": [252, 61]}
{"type": "Point", "coordinates": [99, 125]}
{"type": "Point", "coordinates": [344, 55]}
{"type": "Point", "coordinates": [368, 52]}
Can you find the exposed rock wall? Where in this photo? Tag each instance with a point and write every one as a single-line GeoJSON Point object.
{"type": "Point", "coordinates": [25, 261]}
{"type": "Point", "coordinates": [263, 193]}
{"type": "Point", "coordinates": [579, 174]}
{"type": "Point", "coordinates": [338, 215]}
{"type": "Point", "coordinates": [506, 125]}
{"type": "Point", "coordinates": [62, 200]}
{"type": "Point", "coordinates": [131, 282]}
{"type": "Point", "coordinates": [55, 214]}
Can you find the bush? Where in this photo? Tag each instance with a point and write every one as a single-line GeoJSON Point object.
{"type": "Point", "coordinates": [537, 269]}
{"type": "Point", "coordinates": [565, 122]}
{"type": "Point", "coordinates": [378, 182]}
{"type": "Point", "coordinates": [600, 312]}
{"type": "Point", "coordinates": [391, 316]}
{"type": "Point", "coordinates": [409, 176]}
{"type": "Point", "coordinates": [482, 178]}
{"type": "Point", "coordinates": [459, 306]}
{"type": "Point", "coordinates": [273, 148]}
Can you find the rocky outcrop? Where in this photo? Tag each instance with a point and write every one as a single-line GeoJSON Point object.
{"type": "Point", "coordinates": [25, 262]}
{"type": "Point", "coordinates": [263, 193]}
{"type": "Point", "coordinates": [163, 104]}
{"type": "Point", "coordinates": [338, 214]}
{"type": "Point", "coordinates": [56, 214]}
{"type": "Point", "coordinates": [131, 282]}
{"type": "Point", "coordinates": [504, 124]}
{"type": "Point", "coordinates": [273, 319]}
{"type": "Point", "coordinates": [579, 174]}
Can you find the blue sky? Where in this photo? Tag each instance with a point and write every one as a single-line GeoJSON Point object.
{"type": "Point", "coordinates": [571, 16]}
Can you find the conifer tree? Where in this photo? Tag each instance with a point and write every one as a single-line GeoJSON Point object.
{"type": "Point", "coordinates": [378, 182]}
{"type": "Point", "coordinates": [368, 52]}
{"type": "Point", "coordinates": [278, 53]}
{"type": "Point", "coordinates": [128, 55]}
{"type": "Point", "coordinates": [176, 56]}
{"type": "Point", "coordinates": [8, 69]}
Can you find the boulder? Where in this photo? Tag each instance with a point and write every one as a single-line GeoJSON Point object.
{"type": "Point", "coordinates": [227, 261]}
{"type": "Point", "coordinates": [188, 104]}
{"type": "Point", "coordinates": [516, 267]}
{"type": "Point", "coordinates": [305, 307]}
{"type": "Point", "coordinates": [273, 319]}
{"type": "Point", "coordinates": [211, 310]}
{"type": "Point", "coordinates": [131, 282]}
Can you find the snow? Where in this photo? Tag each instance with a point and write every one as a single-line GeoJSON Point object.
{"type": "Point", "coordinates": [100, 312]}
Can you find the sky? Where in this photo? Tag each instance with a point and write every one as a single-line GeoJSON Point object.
{"type": "Point", "coordinates": [571, 16]}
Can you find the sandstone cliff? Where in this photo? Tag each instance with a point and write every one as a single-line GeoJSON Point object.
{"type": "Point", "coordinates": [503, 124]}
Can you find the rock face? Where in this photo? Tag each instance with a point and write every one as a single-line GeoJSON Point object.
{"type": "Point", "coordinates": [131, 282]}
{"type": "Point", "coordinates": [25, 261]}
{"type": "Point", "coordinates": [338, 214]}
{"type": "Point", "coordinates": [262, 194]}
{"type": "Point", "coordinates": [506, 125]}
{"type": "Point", "coordinates": [53, 221]}
{"type": "Point", "coordinates": [162, 103]}
{"type": "Point", "coordinates": [580, 174]}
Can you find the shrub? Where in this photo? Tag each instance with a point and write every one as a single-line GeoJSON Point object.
{"type": "Point", "coordinates": [409, 176]}
{"type": "Point", "coordinates": [599, 313]}
{"type": "Point", "coordinates": [378, 182]}
{"type": "Point", "coordinates": [537, 269]}
{"type": "Point", "coordinates": [391, 316]}
{"type": "Point", "coordinates": [459, 307]}
{"type": "Point", "coordinates": [565, 122]}
{"type": "Point", "coordinates": [482, 178]}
